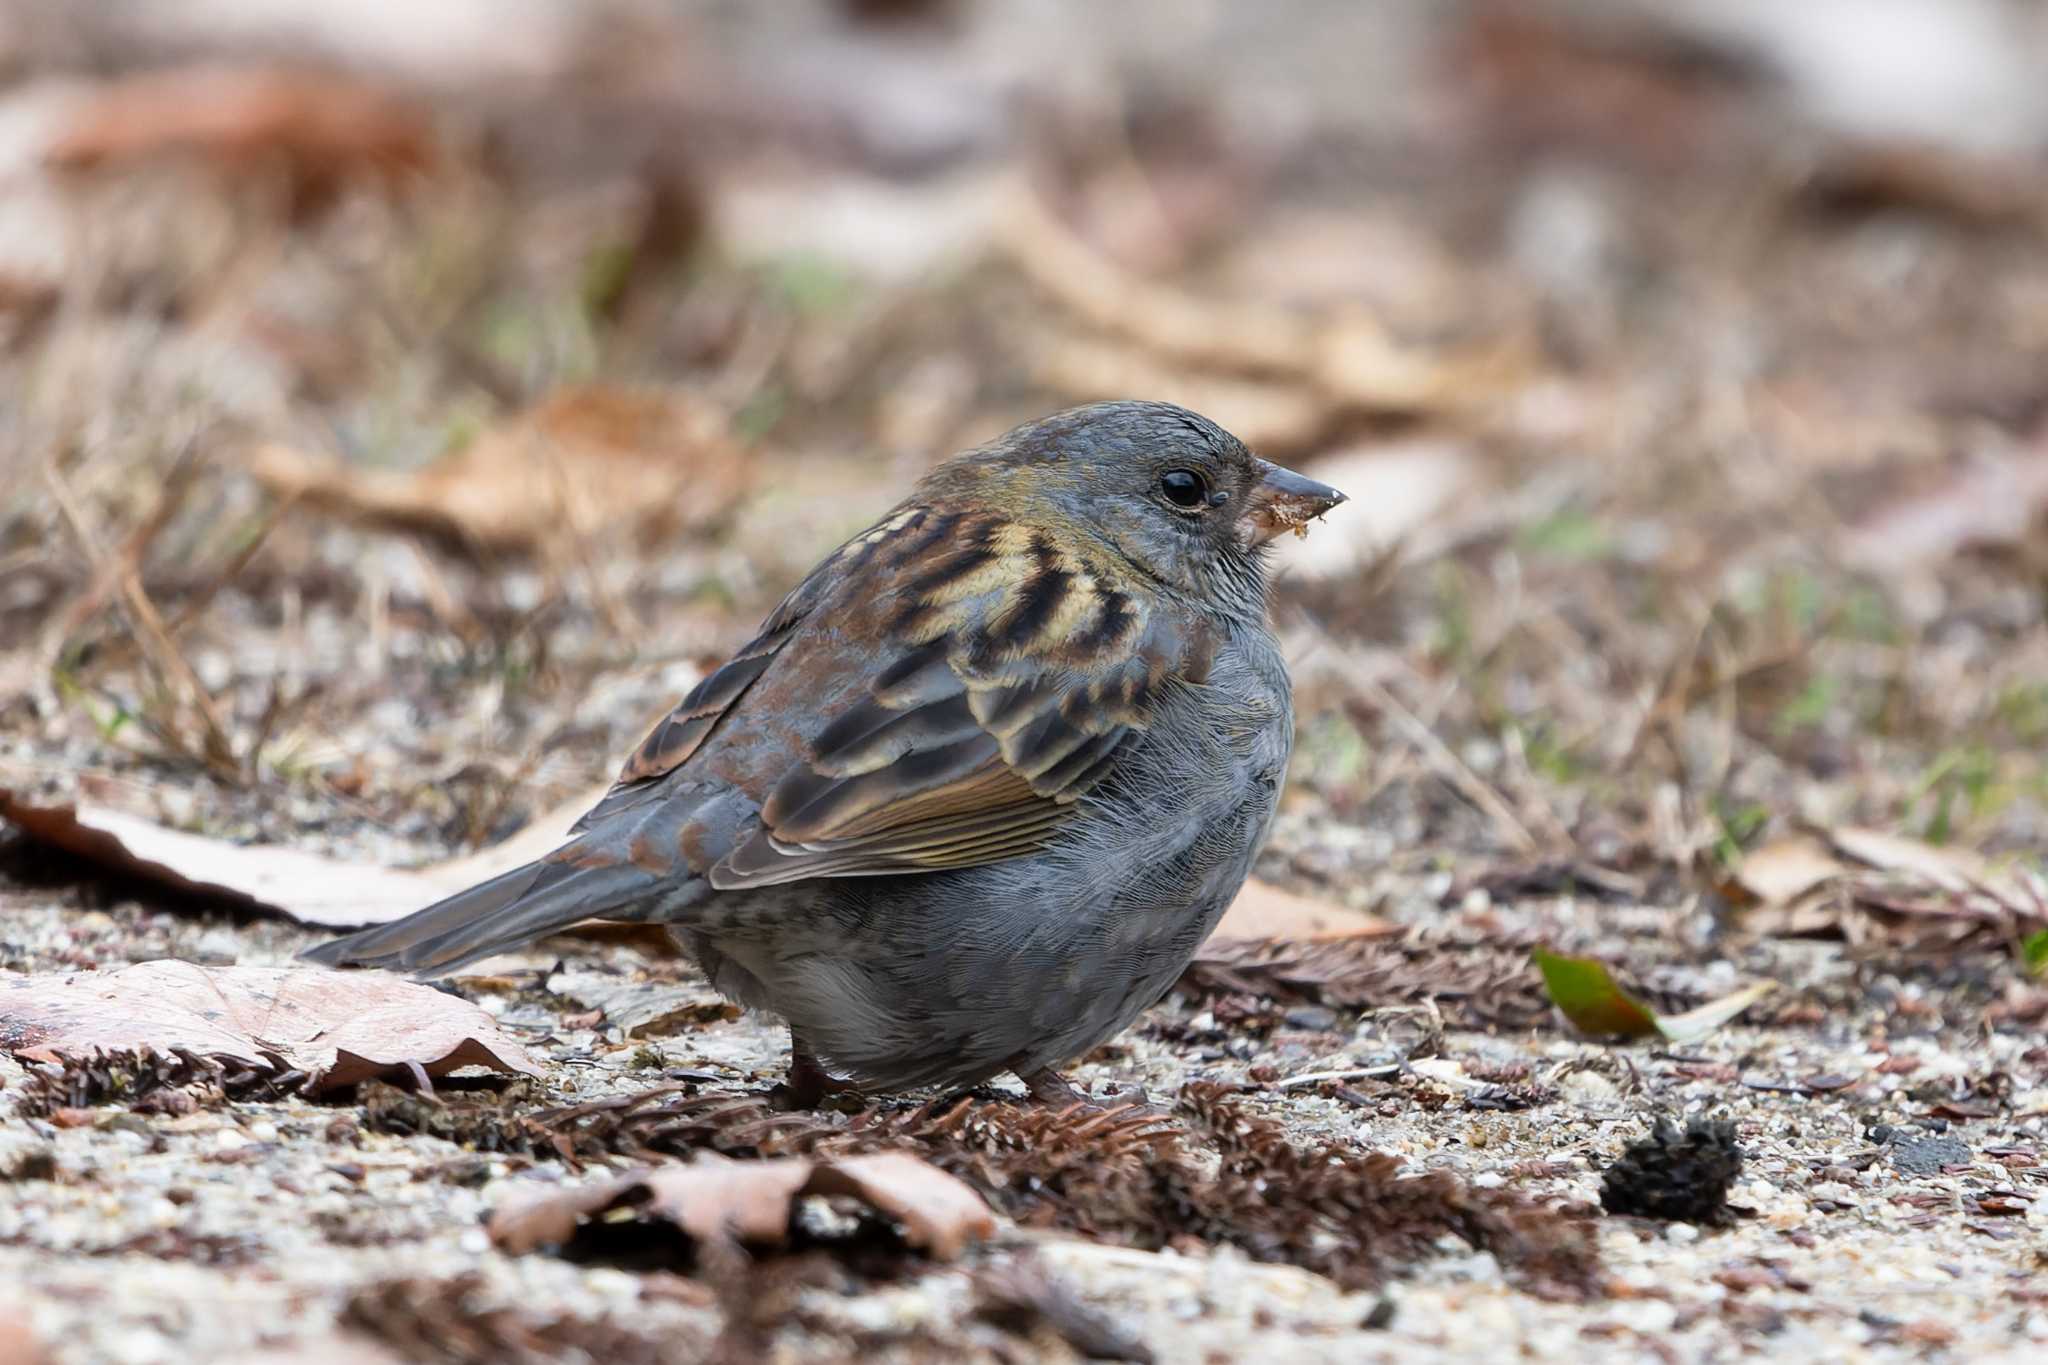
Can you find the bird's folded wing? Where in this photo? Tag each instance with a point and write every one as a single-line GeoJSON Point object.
{"type": "Point", "coordinates": [1013, 671]}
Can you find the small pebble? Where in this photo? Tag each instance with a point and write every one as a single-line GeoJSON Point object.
{"type": "Point", "coordinates": [1927, 1155]}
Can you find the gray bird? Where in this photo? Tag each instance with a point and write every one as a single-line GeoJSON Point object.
{"type": "Point", "coordinates": [981, 785]}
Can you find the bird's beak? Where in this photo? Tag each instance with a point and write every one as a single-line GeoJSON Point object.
{"type": "Point", "coordinates": [1283, 500]}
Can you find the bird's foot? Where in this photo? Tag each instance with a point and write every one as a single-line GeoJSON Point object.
{"type": "Point", "coordinates": [809, 1084]}
{"type": "Point", "coordinates": [1049, 1088]}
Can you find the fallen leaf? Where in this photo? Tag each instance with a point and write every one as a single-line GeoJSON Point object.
{"type": "Point", "coordinates": [1781, 872]}
{"type": "Point", "coordinates": [323, 892]}
{"type": "Point", "coordinates": [939, 1213]}
{"type": "Point", "coordinates": [309, 888]}
{"type": "Point", "coordinates": [1588, 995]}
{"type": "Point", "coordinates": [318, 129]}
{"type": "Point", "coordinates": [593, 461]}
{"type": "Point", "coordinates": [1345, 356]}
{"type": "Point", "coordinates": [1946, 866]}
{"type": "Point", "coordinates": [1263, 910]}
{"type": "Point", "coordinates": [1809, 880]}
{"type": "Point", "coordinates": [752, 1203]}
{"type": "Point", "coordinates": [338, 1028]}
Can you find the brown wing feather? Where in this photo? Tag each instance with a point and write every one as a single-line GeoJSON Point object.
{"type": "Point", "coordinates": [1023, 670]}
{"type": "Point", "coordinates": [1027, 669]}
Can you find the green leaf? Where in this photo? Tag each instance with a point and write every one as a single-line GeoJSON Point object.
{"type": "Point", "coordinates": [1583, 988]}
{"type": "Point", "coordinates": [2034, 952]}
{"type": "Point", "coordinates": [1589, 997]}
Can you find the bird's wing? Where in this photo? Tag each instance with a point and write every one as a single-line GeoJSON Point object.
{"type": "Point", "coordinates": [1011, 674]}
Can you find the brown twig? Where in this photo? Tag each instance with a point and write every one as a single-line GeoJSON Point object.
{"type": "Point", "coordinates": [1451, 768]}
{"type": "Point", "coordinates": [214, 749]}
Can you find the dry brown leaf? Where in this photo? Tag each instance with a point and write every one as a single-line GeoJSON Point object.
{"type": "Point", "coordinates": [1264, 911]}
{"type": "Point", "coordinates": [317, 128]}
{"type": "Point", "coordinates": [1788, 869]}
{"type": "Point", "coordinates": [1782, 871]}
{"type": "Point", "coordinates": [939, 1214]}
{"type": "Point", "coordinates": [752, 1202]}
{"type": "Point", "coordinates": [1175, 324]}
{"type": "Point", "coordinates": [590, 462]}
{"type": "Point", "coordinates": [311, 889]}
{"type": "Point", "coordinates": [338, 1028]}
{"type": "Point", "coordinates": [1344, 354]}
{"type": "Point", "coordinates": [1806, 883]}
{"type": "Point", "coordinates": [1942, 865]}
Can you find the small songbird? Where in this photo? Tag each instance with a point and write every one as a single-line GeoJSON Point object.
{"type": "Point", "coordinates": [981, 785]}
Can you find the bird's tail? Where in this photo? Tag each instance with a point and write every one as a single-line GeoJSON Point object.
{"type": "Point", "coordinates": [502, 913]}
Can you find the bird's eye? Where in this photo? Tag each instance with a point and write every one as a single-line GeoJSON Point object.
{"type": "Point", "coordinates": [1184, 488]}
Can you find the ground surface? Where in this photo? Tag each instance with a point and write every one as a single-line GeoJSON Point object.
{"type": "Point", "coordinates": [1693, 413]}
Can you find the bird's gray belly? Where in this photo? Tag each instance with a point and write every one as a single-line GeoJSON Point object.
{"type": "Point", "coordinates": [948, 978]}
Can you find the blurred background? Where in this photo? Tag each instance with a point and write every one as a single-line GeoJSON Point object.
{"type": "Point", "coordinates": [400, 403]}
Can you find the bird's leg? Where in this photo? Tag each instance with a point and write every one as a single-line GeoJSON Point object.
{"type": "Point", "coordinates": [809, 1083]}
{"type": "Point", "coordinates": [1048, 1087]}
